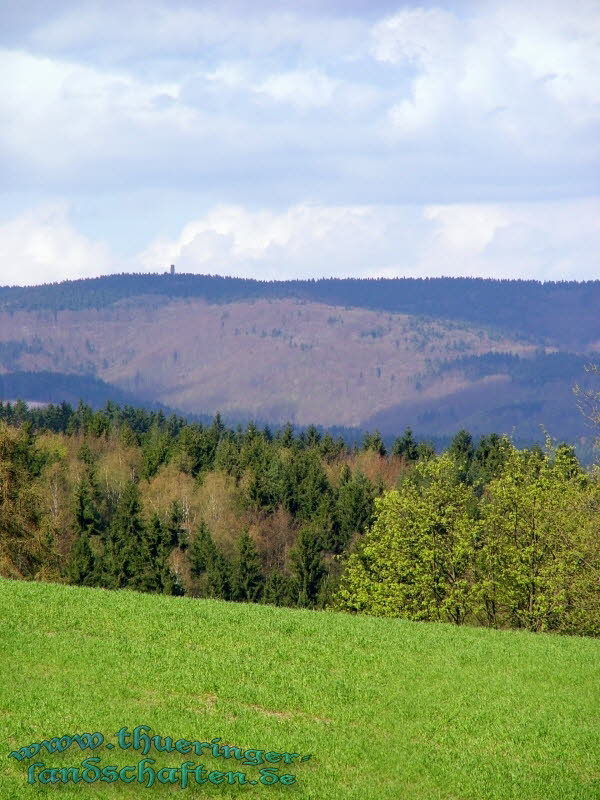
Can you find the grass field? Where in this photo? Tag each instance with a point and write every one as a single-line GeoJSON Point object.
{"type": "Point", "coordinates": [386, 709]}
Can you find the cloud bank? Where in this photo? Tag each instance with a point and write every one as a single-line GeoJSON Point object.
{"type": "Point", "coordinates": [547, 241]}
{"type": "Point", "coordinates": [336, 138]}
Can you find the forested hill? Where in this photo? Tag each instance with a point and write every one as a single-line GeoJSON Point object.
{"type": "Point", "coordinates": [562, 314]}
{"type": "Point", "coordinates": [433, 354]}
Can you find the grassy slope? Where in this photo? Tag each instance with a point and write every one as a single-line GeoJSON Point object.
{"type": "Point", "coordinates": [389, 709]}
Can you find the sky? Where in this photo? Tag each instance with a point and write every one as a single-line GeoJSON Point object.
{"type": "Point", "coordinates": [316, 138]}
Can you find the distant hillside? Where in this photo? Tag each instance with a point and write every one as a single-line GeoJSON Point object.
{"type": "Point", "coordinates": [58, 387]}
{"type": "Point", "coordinates": [560, 313]}
{"type": "Point", "coordinates": [435, 354]}
{"type": "Point", "coordinates": [500, 391]}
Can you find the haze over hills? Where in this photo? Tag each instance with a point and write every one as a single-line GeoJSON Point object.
{"type": "Point", "coordinates": [435, 354]}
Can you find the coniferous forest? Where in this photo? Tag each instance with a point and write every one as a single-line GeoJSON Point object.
{"type": "Point", "coordinates": [529, 307]}
{"type": "Point", "coordinates": [124, 498]}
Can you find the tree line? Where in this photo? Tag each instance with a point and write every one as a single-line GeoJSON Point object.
{"type": "Point", "coordinates": [542, 311]}
{"type": "Point", "coordinates": [126, 498]}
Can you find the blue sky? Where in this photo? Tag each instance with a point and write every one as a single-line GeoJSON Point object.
{"type": "Point", "coordinates": [306, 139]}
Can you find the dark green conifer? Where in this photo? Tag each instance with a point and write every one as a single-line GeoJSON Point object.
{"type": "Point", "coordinates": [353, 508]}
{"type": "Point", "coordinates": [159, 576]}
{"type": "Point", "coordinates": [82, 562]}
{"type": "Point", "coordinates": [278, 589]}
{"type": "Point", "coordinates": [209, 565]}
{"type": "Point", "coordinates": [86, 561]}
{"type": "Point", "coordinates": [307, 565]}
{"type": "Point", "coordinates": [177, 534]}
{"type": "Point", "coordinates": [374, 442]}
{"type": "Point", "coordinates": [126, 555]}
{"type": "Point", "coordinates": [406, 446]}
{"type": "Point", "coordinates": [287, 435]}
{"type": "Point", "coordinates": [248, 578]}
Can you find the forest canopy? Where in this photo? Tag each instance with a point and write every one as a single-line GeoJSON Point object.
{"type": "Point", "coordinates": [484, 533]}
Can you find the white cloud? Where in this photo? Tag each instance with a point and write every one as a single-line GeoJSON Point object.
{"type": "Point", "coordinates": [305, 89]}
{"type": "Point", "coordinates": [422, 36]}
{"type": "Point", "coordinates": [103, 96]}
{"type": "Point", "coordinates": [319, 116]}
{"type": "Point", "coordinates": [302, 241]}
{"type": "Point", "coordinates": [41, 246]}
{"type": "Point", "coordinates": [134, 30]}
{"type": "Point", "coordinates": [56, 113]}
{"type": "Point", "coordinates": [546, 241]}
{"type": "Point", "coordinates": [510, 75]}
{"type": "Point", "coordinates": [466, 228]}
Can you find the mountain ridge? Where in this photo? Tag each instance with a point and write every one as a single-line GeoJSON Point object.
{"type": "Point", "coordinates": [279, 351]}
{"type": "Point", "coordinates": [540, 309]}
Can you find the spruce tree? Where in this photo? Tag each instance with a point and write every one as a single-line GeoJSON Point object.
{"type": "Point", "coordinates": [201, 550]}
{"type": "Point", "coordinates": [159, 576]}
{"type": "Point", "coordinates": [86, 455]}
{"type": "Point", "coordinates": [127, 555]}
{"type": "Point", "coordinates": [219, 578]}
{"type": "Point", "coordinates": [286, 435]}
{"type": "Point", "coordinates": [82, 562]}
{"type": "Point", "coordinates": [227, 456]}
{"type": "Point", "coordinates": [488, 459]}
{"type": "Point", "coordinates": [345, 474]}
{"type": "Point", "coordinates": [177, 535]}
{"type": "Point", "coordinates": [87, 512]}
{"type": "Point", "coordinates": [209, 565]}
{"type": "Point", "coordinates": [278, 589]}
{"type": "Point", "coordinates": [248, 578]}
{"type": "Point", "coordinates": [312, 488]}
{"type": "Point", "coordinates": [84, 567]}
{"type": "Point", "coordinates": [353, 508]}
{"type": "Point", "coordinates": [374, 442]}
{"type": "Point", "coordinates": [406, 446]}
{"type": "Point", "coordinates": [307, 566]}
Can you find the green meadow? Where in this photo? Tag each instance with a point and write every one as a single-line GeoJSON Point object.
{"type": "Point", "coordinates": [385, 708]}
